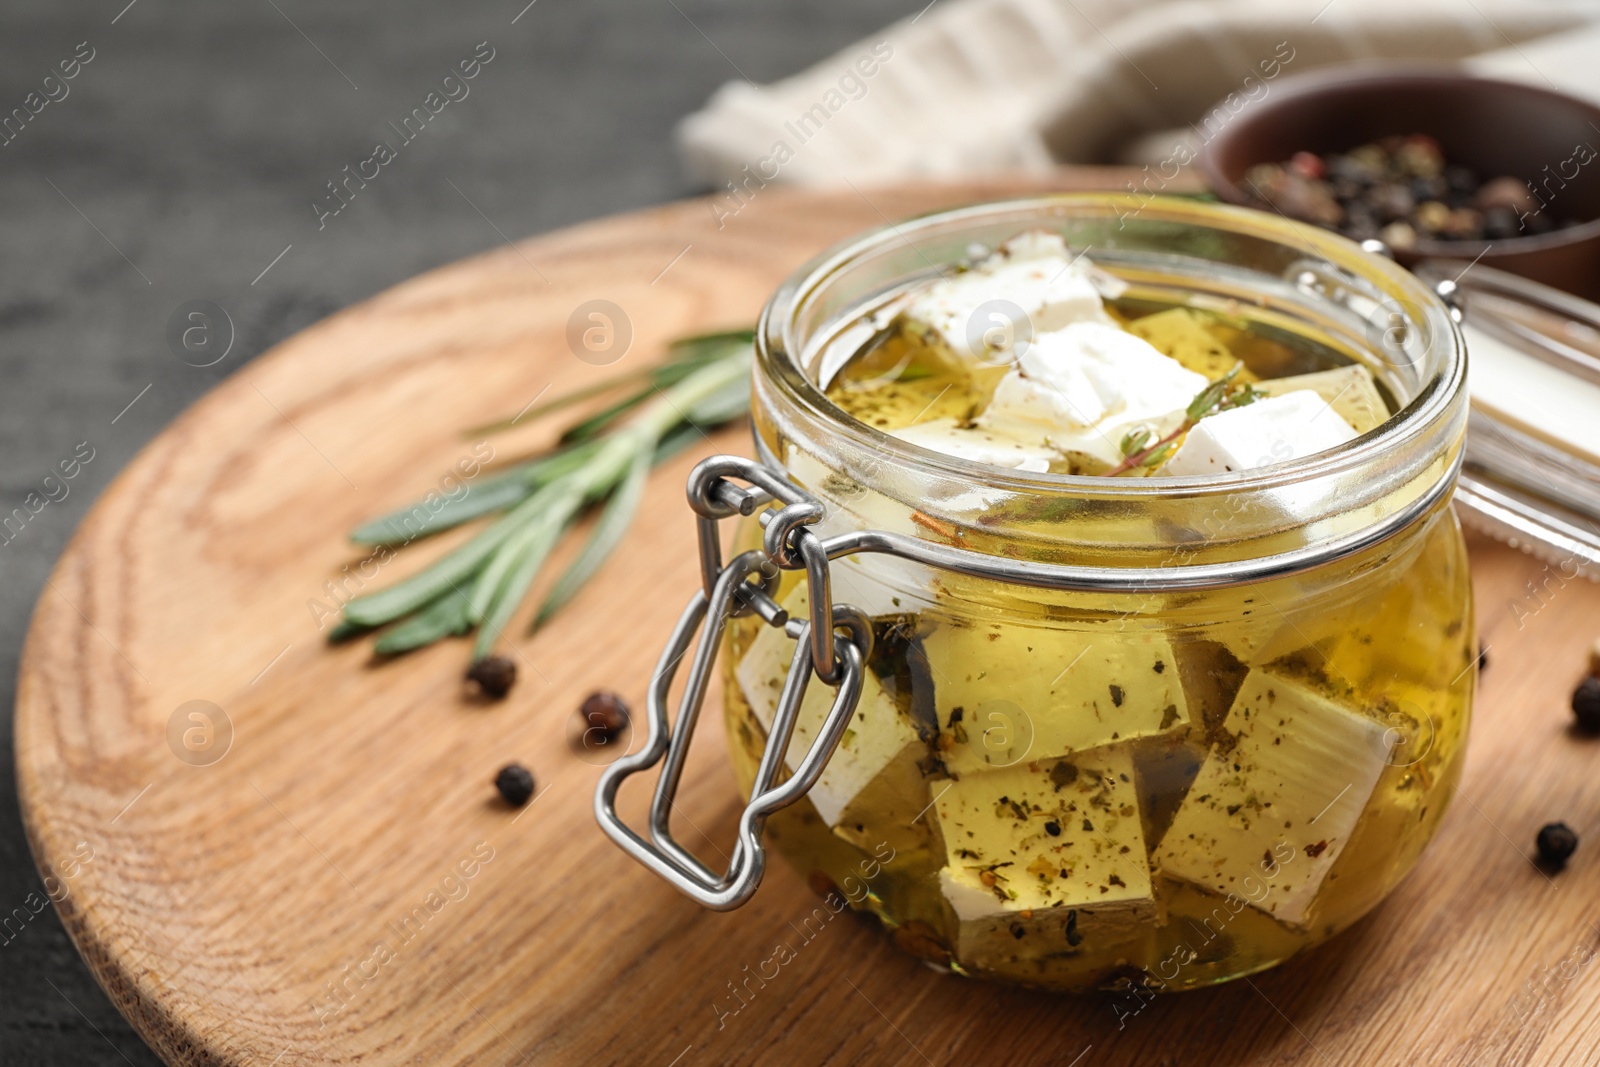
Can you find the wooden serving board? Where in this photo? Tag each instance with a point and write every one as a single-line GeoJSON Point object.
{"type": "Point", "coordinates": [342, 886]}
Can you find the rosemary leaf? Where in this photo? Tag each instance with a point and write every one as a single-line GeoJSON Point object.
{"type": "Point", "coordinates": [722, 341]}
{"type": "Point", "coordinates": [700, 348]}
{"type": "Point", "coordinates": [662, 377]}
{"type": "Point", "coordinates": [559, 504]}
{"type": "Point", "coordinates": [495, 493]}
{"type": "Point", "coordinates": [558, 402]}
{"type": "Point", "coordinates": [706, 383]}
{"type": "Point", "coordinates": [676, 440]}
{"type": "Point", "coordinates": [609, 530]}
{"type": "Point", "coordinates": [456, 566]}
{"type": "Point", "coordinates": [344, 630]}
{"type": "Point", "coordinates": [716, 378]}
{"type": "Point", "coordinates": [525, 565]}
{"type": "Point", "coordinates": [405, 525]}
{"type": "Point", "coordinates": [444, 617]}
{"type": "Point", "coordinates": [724, 405]}
{"type": "Point", "coordinates": [683, 358]}
{"type": "Point", "coordinates": [597, 423]}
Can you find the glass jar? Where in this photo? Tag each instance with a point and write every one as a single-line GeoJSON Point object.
{"type": "Point", "coordinates": [1158, 781]}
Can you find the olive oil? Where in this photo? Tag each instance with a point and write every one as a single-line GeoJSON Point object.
{"type": "Point", "coordinates": [1147, 746]}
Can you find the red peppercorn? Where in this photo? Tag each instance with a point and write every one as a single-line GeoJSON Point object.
{"type": "Point", "coordinates": [605, 716]}
{"type": "Point", "coordinates": [1309, 164]}
{"type": "Point", "coordinates": [1511, 193]}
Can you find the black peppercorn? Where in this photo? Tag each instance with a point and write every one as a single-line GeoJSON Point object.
{"type": "Point", "coordinates": [1501, 223]}
{"type": "Point", "coordinates": [1361, 221]}
{"type": "Point", "coordinates": [1586, 705]}
{"type": "Point", "coordinates": [1461, 179]}
{"type": "Point", "coordinates": [1483, 657]}
{"type": "Point", "coordinates": [1556, 844]}
{"type": "Point", "coordinates": [515, 783]}
{"type": "Point", "coordinates": [493, 675]}
{"type": "Point", "coordinates": [1434, 187]}
{"type": "Point", "coordinates": [1391, 202]}
{"type": "Point", "coordinates": [604, 715]}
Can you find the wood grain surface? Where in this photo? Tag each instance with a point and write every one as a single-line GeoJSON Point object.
{"type": "Point", "coordinates": [342, 886]}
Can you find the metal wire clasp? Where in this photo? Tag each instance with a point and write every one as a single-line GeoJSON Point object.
{"type": "Point", "coordinates": [745, 584]}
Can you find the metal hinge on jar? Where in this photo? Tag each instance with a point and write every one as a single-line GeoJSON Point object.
{"type": "Point", "coordinates": [743, 586]}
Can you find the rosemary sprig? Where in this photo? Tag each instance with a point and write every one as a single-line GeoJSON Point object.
{"type": "Point", "coordinates": [694, 351]}
{"type": "Point", "coordinates": [608, 531]}
{"type": "Point", "coordinates": [604, 459]}
{"type": "Point", "coordinates": [669, 373]}
{"type": "Point", "coordinates": [445, 617]}
{"type": "Point", "coordinates": [495, 493]}
{"type": "Point", "coordinates": [1138, 450]}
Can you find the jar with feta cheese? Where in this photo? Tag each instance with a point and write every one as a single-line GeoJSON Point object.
{"type": "Point", "coordinates": [1232, 726]}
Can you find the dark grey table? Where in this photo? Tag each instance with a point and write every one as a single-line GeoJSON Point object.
{"type": "Point", "coordinates": [182, 159]}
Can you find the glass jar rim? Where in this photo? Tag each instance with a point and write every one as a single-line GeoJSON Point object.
{"type": "Point", "coordinates": [778, 354]}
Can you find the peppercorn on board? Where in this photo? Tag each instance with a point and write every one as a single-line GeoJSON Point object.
{"type": "Point", "coordinates": [342, 886]}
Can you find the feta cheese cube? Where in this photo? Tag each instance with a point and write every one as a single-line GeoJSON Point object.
{"type": "Point", "coordinates": [1432, 651]}
{"type": "Point", "coordinates": [977, 444]}
{"type": "Point", "coordinates": [1274, 430]}
{"type": "Point", "coordinates": [850, 504]}
{"type": "Point", "coordinates": [874, 583]}
{"type": "Point", "coordinates": [1350, 391]}
{"type": "Point", "coordinates": [1033, 277]}
{"type": "Point", "coordinates": [1082, 388]}
{"type": "Point", "coordinates": [1278, 798]}
{"type": "Point", "coordinates": [1045, 858]}
{"type": "Point", "coordinates": [1005, 694]}
{"type": "Point", "coordinates": [872, 789]}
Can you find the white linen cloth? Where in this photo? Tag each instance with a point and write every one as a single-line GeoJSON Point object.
{"type": "Point", "coordinates": [970, 87]}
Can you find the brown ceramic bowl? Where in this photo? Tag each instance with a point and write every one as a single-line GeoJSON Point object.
{"type": "Point", "coordinates": [1494, 127]}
